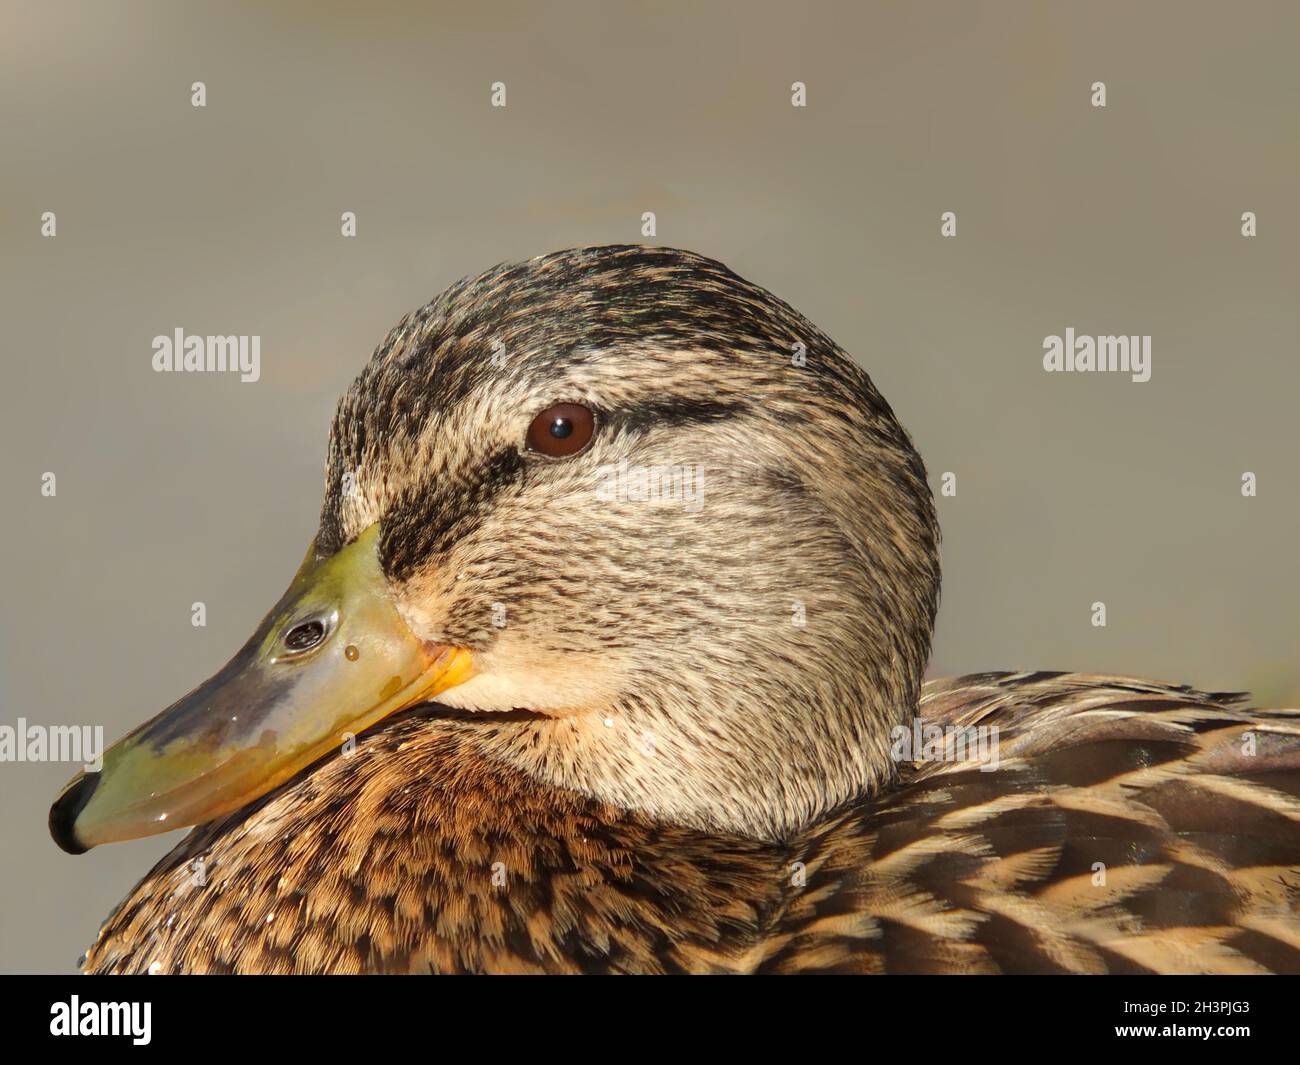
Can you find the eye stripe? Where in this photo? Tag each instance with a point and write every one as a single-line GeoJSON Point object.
{"type": "Point", "coordinates": [676, 412]}
{"type": "Point", "coordinates": [429, 518]}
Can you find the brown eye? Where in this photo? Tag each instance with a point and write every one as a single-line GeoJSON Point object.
{"type": "Point", "coordinates": [561, 430]}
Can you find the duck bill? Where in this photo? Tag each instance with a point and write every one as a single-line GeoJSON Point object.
{"type": "Point", "coordinates": [331, 659]}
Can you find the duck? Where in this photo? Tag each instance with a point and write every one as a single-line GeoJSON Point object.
{"type": "Point", "coordinates": [608, 656]}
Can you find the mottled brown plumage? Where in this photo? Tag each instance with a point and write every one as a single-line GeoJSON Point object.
{"type": "Point", "coordinates": [418, 854]}
{"type": "Point", "coordinates": [699, 776]}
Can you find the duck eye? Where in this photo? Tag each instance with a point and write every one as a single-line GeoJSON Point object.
{"type": "Point", "coordinates": [304, 636]}
{"type": "Point", "coordinates": [561, 430]}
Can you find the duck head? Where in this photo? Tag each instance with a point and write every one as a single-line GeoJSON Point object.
{"type": "Point", "coordinates": [621, 489]}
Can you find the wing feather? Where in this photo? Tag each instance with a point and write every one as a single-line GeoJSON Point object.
{"type": "Point", "coordinates": [1129, 827]}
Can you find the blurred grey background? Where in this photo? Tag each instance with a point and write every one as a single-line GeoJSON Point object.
{"type": "Point", "coordinates": [176, 488]}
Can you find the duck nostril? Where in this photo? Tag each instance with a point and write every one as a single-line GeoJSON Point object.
{"type": "Point", "coordinates": [63, 814]}
{"type": "Point", "coordinates": [304, 636]}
